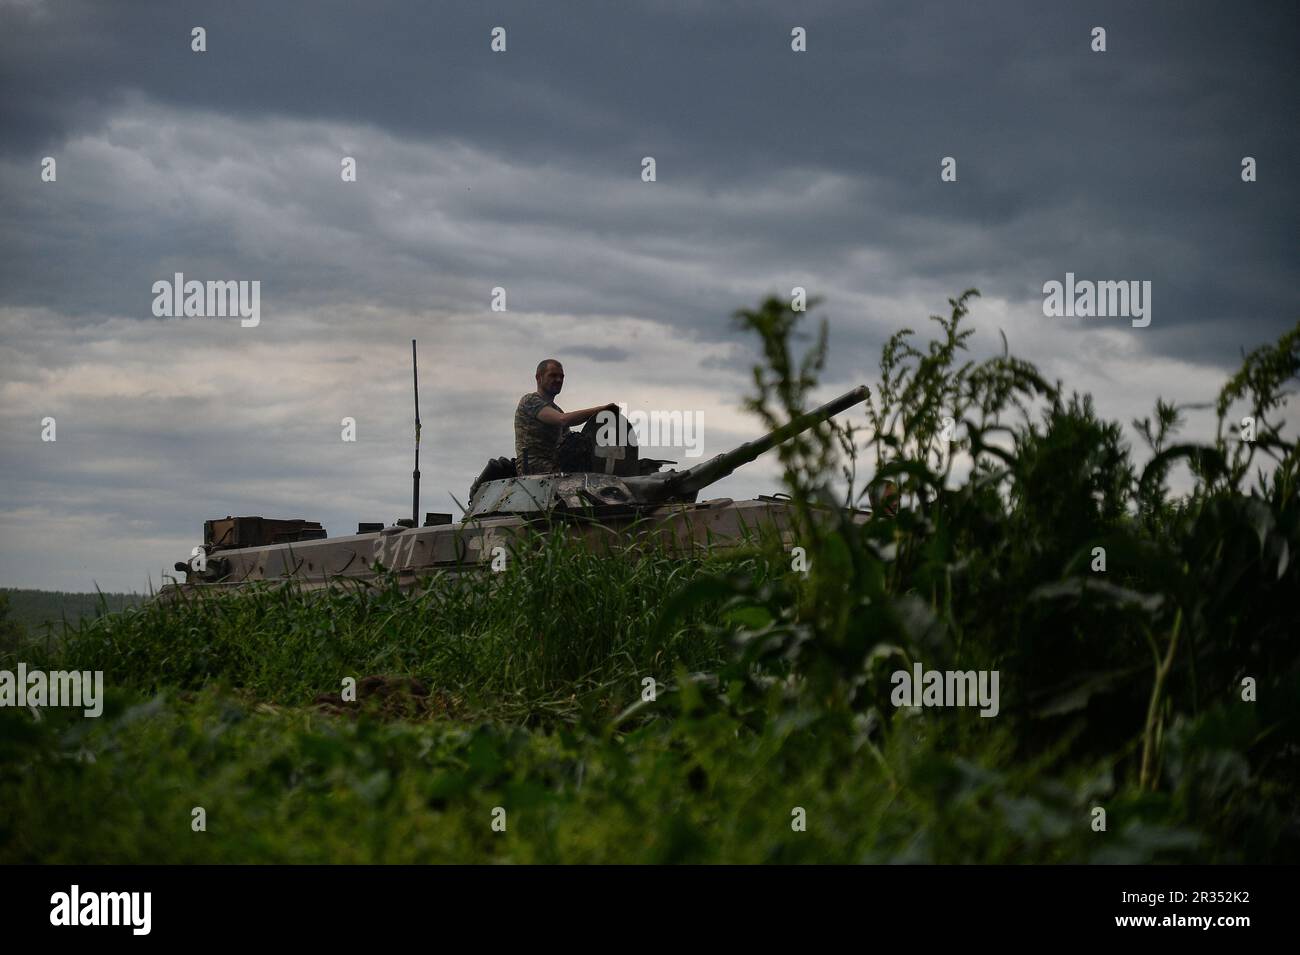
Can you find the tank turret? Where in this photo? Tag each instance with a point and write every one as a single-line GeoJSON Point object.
{"type": "Point", "coordinates": [540, 494]}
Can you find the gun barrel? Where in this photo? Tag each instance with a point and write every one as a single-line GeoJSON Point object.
{"type": "Point", "coordinates": [702, 475]}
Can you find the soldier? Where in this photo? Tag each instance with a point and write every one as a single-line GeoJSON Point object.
{"type": "Point", "coordinates": [885, 499]}
{"type": "Point", "coordinates": [543, 443]}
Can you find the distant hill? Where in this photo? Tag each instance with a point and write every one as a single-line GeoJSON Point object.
{"type": "Point", "coordinates": [32, 609]}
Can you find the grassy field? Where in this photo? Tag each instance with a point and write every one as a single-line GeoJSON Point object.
{"type": "Point", "coordinates": [36, 611]}
{"type": "Point", "coordinates": [1149, 673]}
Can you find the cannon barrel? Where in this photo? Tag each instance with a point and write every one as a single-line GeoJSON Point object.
{"type": "Point", "coordinates": [676, 483]}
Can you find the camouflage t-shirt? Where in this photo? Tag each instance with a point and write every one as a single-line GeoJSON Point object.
{"type": "Point", "coordinates": [535, 442]}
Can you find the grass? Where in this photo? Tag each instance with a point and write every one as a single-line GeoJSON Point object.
{"type": "Point", "coordinates": [32, 615]}
{"type": "Point", "coordinates": [292, 785]}
{"type": "Point", "coordinates": [569, 630]}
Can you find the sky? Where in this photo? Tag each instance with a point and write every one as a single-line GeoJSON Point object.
{"type": "Point", "coordinates": [523, 169]}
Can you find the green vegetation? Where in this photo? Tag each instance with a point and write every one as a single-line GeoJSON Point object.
{"type": "Point", "coordinates": [34, 612]}
{"type": "Point", "coordinates": [1164, 688]}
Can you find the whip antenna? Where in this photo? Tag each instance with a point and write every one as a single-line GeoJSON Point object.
{"type": "Point", "coordinates": [415, 475]}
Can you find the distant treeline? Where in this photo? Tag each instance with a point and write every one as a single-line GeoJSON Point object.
{"type": "Point", "coordinates": [32, 609]}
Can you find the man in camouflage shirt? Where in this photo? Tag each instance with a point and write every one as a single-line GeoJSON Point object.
{"type": "Point", "coordinates": [540, 424]}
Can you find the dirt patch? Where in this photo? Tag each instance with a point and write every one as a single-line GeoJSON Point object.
{"type": "Point", "coordinates": [392, 697]}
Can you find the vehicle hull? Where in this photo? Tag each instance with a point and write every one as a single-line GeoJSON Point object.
{"type": "Point", "coordinates": [411, 554]}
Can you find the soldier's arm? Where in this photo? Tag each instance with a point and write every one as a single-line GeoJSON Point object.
{"type": "Point", "coordinates": [568, 419]}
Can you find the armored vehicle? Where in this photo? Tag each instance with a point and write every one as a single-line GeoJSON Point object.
{"type": "Point", "coordinates": [621, 496]}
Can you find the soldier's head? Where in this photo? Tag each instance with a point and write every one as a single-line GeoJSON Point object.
{"type": "Point", "coordinates": [550, 377]}
{"type": "Point", "coordinates": [885, 499]}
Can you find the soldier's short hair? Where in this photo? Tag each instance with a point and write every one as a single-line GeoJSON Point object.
{"type": "Point", "coordinates": [885, 497]}
{"type": "Point", "coordinates": [544, 363]}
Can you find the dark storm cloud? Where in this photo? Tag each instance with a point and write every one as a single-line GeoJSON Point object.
{"type": "Point", "coordinates": [1102, 164]}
